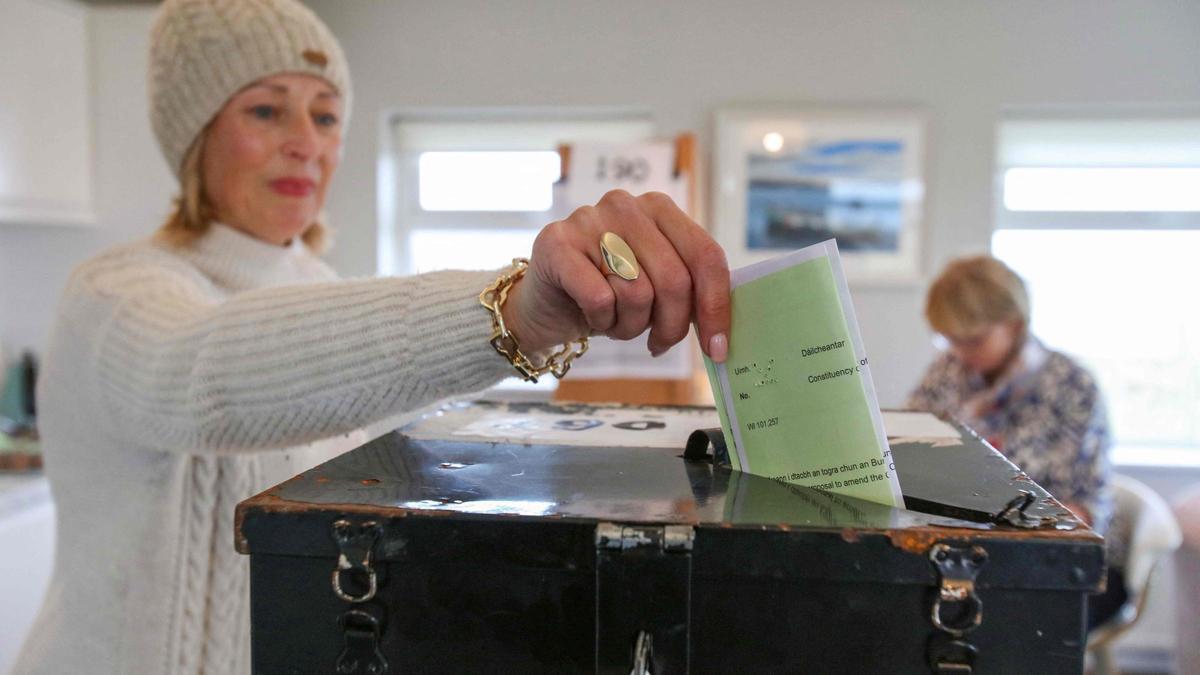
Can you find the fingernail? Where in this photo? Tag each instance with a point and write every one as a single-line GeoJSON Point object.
{"type": "Point", "coordinates": [718, 347]}
{"type": "Point", "coordinates": [657, 352]}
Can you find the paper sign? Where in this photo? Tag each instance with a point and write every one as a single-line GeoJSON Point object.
{"type": "Point", "coordinates": [630, 359]}
{"type": "Point", "coordinates": [599, 426]}
{"type": "Point", "coordinates": [918, 425]}
{"type": "Point", "coordinates": [595, 169]}
{"type": "Point", "coordinates": [795, 395]}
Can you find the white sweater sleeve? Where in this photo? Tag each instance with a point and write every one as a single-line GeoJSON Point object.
{"type": "Point", "coordinates": [175, 367]}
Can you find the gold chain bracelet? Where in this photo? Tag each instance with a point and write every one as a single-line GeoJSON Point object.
{"type": "Point", "coordinates": [505, 343]}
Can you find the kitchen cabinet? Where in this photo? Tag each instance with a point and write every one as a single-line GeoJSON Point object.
{"type": "Point", "coordinates": [46, 143]}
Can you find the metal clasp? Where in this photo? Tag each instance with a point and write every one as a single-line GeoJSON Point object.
{"type": "Point", "coordinates": [663, 537]}
{"type": "Point", "coordinates": [354, 545]}
{"type": "Point", "coordinates": [642, 654]}
{"type": "Point", "coordinates": [1014, 513]}
{"type": "Point", "coordinates": [361, 654]}
{"type": "Point", "coordinates": [643, 597]}
{"type": "Point", "coordinates": [951, 656]}
{"type": "Point", "coordinates": [957, 568]}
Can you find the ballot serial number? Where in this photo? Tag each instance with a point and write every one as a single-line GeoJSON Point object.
{"type": "Point", "coordinates": [762, 424]}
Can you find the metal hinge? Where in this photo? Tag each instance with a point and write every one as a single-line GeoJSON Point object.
{"type": "Point", "coordinates": [661, 537]}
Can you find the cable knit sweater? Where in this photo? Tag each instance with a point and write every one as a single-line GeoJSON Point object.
{"type": "Point", "coordinates": [181, 381]}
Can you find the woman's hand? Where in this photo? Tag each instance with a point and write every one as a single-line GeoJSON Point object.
{"type": "Point", "coordinates": [569, 292]}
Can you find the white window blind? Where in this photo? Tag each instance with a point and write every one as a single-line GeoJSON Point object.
{"type": "Point", "coordinates": [1098, 174]}
{"type": "Point", "coordinates": [487, 180]}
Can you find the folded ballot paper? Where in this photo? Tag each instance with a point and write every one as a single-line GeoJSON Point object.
{"type": "Point", "coordinates": [795, 396]}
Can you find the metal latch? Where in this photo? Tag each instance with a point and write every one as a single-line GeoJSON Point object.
{"type": "Point", "coordinates": [1014, 513]}
{"type": "Point", "coordinates": [949, 655]}
{"type": "Point", "coordinates": [957, 609]}
{"type": "Point", "coordinates": [643, 598]}
{"type": "Point", "coordinates": [643, 654]}
{"type": "Point", "coordinates": [956, 596]}
{"type": "Point", "coordinates": [361, 654]}
{"type": "Point", "coordinates": [661, 537]}
{"type": "Point", "coordinates": [355, 543]}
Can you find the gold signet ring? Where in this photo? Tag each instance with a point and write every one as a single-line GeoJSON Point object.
{"type": "Point", "coordinates": [619, 257]}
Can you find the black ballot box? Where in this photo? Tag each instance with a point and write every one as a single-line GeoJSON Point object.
{"type": "Point", "coordinates": [530, 538]}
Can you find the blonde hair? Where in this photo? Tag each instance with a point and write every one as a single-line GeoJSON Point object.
{"type": "Point", "coordinates": [193, 213]}
{"type": "Point", "coordinates": [974, 293]}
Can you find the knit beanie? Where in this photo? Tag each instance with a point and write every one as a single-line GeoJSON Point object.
{"type": "Point", "coordinates": [202, 52]}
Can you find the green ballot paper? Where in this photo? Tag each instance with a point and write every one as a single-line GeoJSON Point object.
{"type": "Point", "coordinates": [795, 396]}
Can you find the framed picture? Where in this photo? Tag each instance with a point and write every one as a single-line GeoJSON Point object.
{"type": "Point", "coordinates": [788, 177]}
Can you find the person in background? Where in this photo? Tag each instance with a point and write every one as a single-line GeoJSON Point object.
{"type": "Point", "coordinates": [191, 369]}
{"type": "Point", "coordinates": [1035, 405]}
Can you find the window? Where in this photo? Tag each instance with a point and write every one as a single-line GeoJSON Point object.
{"type": "Point", "coordinates": [1102, 189]}
{"type": "Point", "coordinates": [1102, 220]}
{"type": "Point", "coordinates": [470, 189]}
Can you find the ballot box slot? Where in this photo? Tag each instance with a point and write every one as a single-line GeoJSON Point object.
{"type": "Point", "coordinates": [1013, 505]}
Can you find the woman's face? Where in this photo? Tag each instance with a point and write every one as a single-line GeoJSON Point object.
{"type": "Point", "coordinates": [988, 351]}
{"type": "Point", "coordinates": [270, 153]}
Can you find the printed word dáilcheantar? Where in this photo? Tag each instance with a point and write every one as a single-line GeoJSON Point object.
{"type": "Point", "coordinates": [809, 351]}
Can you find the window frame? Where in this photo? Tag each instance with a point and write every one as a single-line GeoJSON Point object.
{"type": "Point", "coordinates": [399, 211]}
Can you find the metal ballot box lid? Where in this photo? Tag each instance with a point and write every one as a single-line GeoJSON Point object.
{"type": "Point", "coordinates": [535, 537]}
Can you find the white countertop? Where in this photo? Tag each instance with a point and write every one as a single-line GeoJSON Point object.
{"type": "Point", "coordinates": [22, 491]}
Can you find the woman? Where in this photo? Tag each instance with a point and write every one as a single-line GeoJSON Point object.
{"type": "Point", "coordinates": [1037, 406]}
{"type": "Point", "coordinates": [190, 370]}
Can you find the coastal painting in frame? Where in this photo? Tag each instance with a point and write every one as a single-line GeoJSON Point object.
{"type": "Point", "coordinates": [790, 177]}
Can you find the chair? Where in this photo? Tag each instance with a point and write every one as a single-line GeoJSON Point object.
{"type": "Point", "coordinates": [1143, 522]}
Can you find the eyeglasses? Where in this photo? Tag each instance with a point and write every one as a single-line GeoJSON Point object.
{"type": "Point", "coordinates": [944, 342]}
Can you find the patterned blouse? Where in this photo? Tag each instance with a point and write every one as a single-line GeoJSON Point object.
{"type": "Point", "coordinates": [1045, 413]}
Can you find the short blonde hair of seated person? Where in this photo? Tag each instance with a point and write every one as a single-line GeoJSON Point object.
{"type": "Point", "coordinates": [973, 294]}
{"type": "Point", "coordinates": [193, 214]}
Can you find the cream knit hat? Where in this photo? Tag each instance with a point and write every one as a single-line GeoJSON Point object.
{"type": "Point", "coordinates": [202, 52]}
